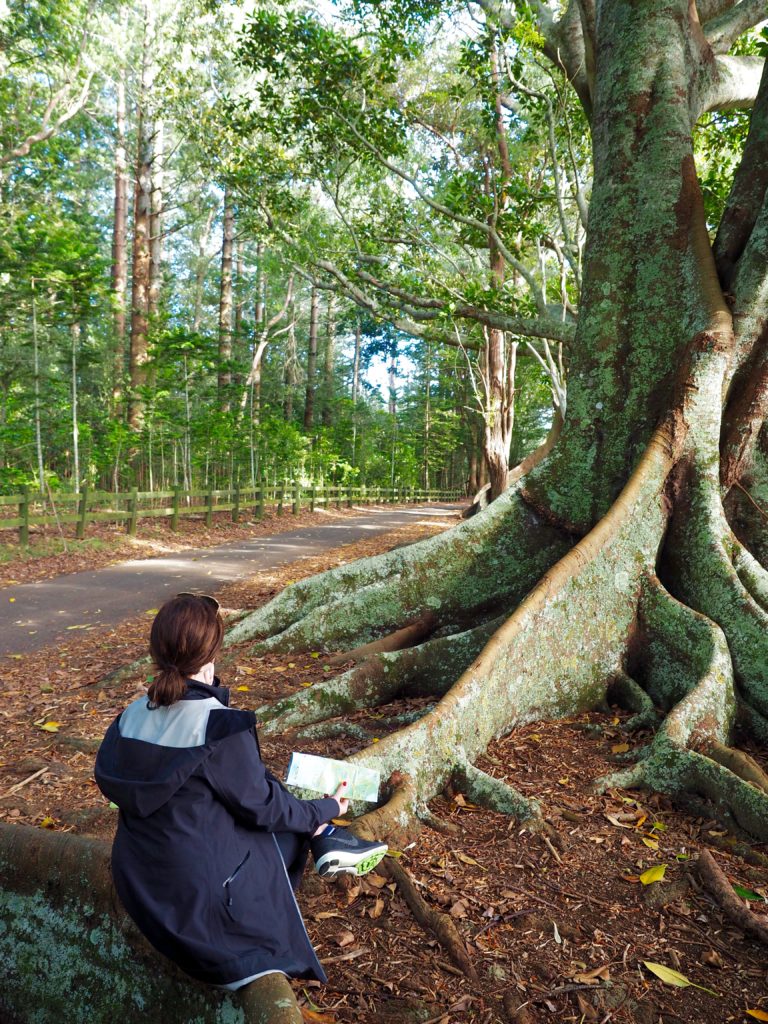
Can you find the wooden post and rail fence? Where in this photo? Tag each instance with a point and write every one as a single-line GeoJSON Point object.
{"type": "Point", "coordinates": [92, 506]}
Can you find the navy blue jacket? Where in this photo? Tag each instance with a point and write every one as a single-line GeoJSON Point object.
{"type": "Point", "coordinates": [194, 860]}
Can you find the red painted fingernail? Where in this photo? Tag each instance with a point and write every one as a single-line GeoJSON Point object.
{"type": "Point", "coordinates": [343, 783]}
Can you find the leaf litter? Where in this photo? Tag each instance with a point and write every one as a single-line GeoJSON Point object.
{"type": "Point", "coordinates": [510, 897]}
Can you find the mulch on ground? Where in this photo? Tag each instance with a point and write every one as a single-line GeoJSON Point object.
{"type": "Point", "coordinates": [54, 553]}
{"type": "Point", "coordinates": [561, 929]}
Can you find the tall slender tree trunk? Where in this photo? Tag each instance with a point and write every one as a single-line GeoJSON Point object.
{"type": "Point", "coordinates": [119, 244]}
{"type": "Point", "coordinates": [75, 337]}
{"type": "Point", "coordinates": [201, 269]}
{"type": "Point", "coordinates": [225, 306]}
{"type": "Point", "coordinates": [156, 219]}
{"type": "Point", "coordinates": [239, 289]}
{"type": "Point", "coordinates": [309, 399]}
{"type": "Point", "coordinates": [427, 416]}
{"type": "Point", "coordinates": [290, 368]}
{"type": "Point", "coordinates": [330, 354]}
{"type": "Point", "coordinates": [259, 320]}
{"type": "Point", "coordinates": [141, 272]}
{"type": "Point", "coordinates": [355, 389]}
{"type": "Point", "coordinates": [499, 415]}
{"type": "Point", "coordinates": [38, 399]}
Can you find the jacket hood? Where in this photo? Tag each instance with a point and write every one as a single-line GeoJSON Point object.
{"type": "Point", "coordinates": [149, 752]}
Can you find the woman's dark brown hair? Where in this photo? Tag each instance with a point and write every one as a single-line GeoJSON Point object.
{"type": "Point", "coordinates": [186, 634]}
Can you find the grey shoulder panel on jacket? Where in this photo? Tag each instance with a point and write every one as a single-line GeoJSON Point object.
{"type": "Point", "coordinates": [185, 724]}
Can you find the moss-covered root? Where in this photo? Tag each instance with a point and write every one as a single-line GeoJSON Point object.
{"type": "Point", "coordinates": [714, 574]}
{"type": "Point", "coordinates": [491, 558]}
{"type": "Point", "coordinates": [332, 730]}
{"type": "Point", "coordinates": [751, 573]}
{"type": "Point", "coordinates": [545, 661]}
{"type": "Point", "coordinates": [629, 694]}
{"type": "Point", "coordinates": [752, 723]}
{"type": "Point", "coordinates": [495, 794]}
{"type": "Point", "coordinates": [685, 753]}
{"type": "Point", "coordinates": [426, 670]}
{"type": "Point", "coordinates": [70, 953]}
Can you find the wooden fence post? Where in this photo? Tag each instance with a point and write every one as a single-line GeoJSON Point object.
{"type": "Point", "coordinates": [209, 509]}
{"type": "Point", "coordinates": [280, 497]}
{"type": "Point", "coordinates": [296, 497]}
{"type": "Point", "coordinates": [24, 516]}
{"type": "Point", "coordinates": [260, 499]}
{"type": "Point", "coordinates": [83, 513]}
{"type": "Point", "coordinates": [236, 503]}
{"type": "Point", "coordinates": [175, 513]}
{"type": "Point", "coordinates": [312, 496]}
{"type": "Point", "coordinates": [133, 509]}
{"type": "Point", "coordinates": [350, 501]}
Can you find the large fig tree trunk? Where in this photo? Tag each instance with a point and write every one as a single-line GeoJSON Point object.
{"type": "Point", "coordinates": [620, 530]}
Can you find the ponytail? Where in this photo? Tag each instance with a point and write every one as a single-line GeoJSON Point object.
{"type": "Point", "coordinates": [186, 634]}
{"type": "Point", "coordinates": [167, 687]}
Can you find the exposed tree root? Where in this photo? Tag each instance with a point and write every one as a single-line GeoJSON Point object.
{"type": "Point", "coordinates": [65, 937]}
{"type": "Point", "coordinates": [751, 573]}
{"type": "Point", "coordinates": [752, 722]}
{"type": "Point", "coordinates": [439, 924]}
{"type": "Point", "coordinates": [630, 695]}
{"type": "Point", "coordinates": [696, 731]}
{"type": "Point", "coordinates": [355, 604]}
{"type": "Point", "coordinates": [737, 848]}
{"type": "Point", "coordinates": [496, 795]}
{"type": "Point", "coordinates": [714, 879]}
{"type": "Point", "coordinates": [739, 763]}
{"type": "Point", "coordinates": [425, 670]}
{"type": "Point", "coordinates": [330, 730]}
{"type": "Point", "coordinates": [408, 636]}
{"type": "Point", "coordinates": [523, 673]}
{"type": "Point", "coordinates": [426, 817]}
{"type": "Point", "coordinates": [701, 553]}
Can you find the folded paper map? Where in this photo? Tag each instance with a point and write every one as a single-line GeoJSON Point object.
{"type": "Point", "coordinates": [323, 775]}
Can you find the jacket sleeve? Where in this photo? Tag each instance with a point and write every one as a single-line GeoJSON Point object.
{"type": "Point", "coordinates": [254, 796]}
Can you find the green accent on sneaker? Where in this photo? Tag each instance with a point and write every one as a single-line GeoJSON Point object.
{"type": "Point", "coordinates": [370, 862]}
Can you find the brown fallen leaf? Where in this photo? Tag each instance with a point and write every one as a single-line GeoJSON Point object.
{"type": "Point", "coordinates": [592, 977]}
{"type": "Point", "coordinates": [377, 909]}
{"type": "Point", "coordinates": [712, 959]}
{"type": "Point", "coordinates": [345, 938]}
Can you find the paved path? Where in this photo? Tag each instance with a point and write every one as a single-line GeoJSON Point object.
{"type": "Point", "coordinates": [33, 615]}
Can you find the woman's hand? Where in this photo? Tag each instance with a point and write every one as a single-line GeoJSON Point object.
{"type": "Point", "coordinates": [342, 801]}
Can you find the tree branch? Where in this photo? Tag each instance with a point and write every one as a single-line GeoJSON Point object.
{"type": "Point", "coordinates": [533, 327]}
{"type": "Point", "coordinates": [478, 225]}
{"type": "Point", "coordinates": [748, 191]}
{"type": "Point", "coordinates": [733, 83]}
{"type": "Point", "coordinates": [723, 31]}
{"type": "Point", "coordinates": [47, 129]}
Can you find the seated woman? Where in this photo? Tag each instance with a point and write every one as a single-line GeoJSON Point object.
{"type": "Point", "coordinates": [209, 844]}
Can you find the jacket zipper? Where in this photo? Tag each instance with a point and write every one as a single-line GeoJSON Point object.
{"type": "Point", "coordinates": [225, 883]}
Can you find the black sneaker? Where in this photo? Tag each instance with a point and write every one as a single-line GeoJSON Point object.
{"type": "Point", "coordinates": [343, 852]}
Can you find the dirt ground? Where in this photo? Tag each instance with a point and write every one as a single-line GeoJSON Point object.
{"type": "Point", "coordinates": [556, 931]}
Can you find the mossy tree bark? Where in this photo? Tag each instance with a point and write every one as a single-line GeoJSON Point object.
{"type": "Point", "coordinates": [620, 531]}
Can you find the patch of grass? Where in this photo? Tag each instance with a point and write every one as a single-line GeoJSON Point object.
{"type": "Point", "coordinates": [48, 547]}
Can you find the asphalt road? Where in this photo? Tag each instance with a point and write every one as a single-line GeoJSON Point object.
{"type": "Point", "coordinates": [33, 615]}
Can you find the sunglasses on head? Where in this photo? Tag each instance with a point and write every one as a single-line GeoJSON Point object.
{"type": "Point", "coordinates": [210, 601]}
